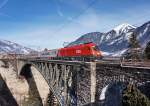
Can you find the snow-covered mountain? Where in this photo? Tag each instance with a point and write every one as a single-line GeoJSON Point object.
{"type": "Point", "coordinates": [10, 47]}
{"type": "Point", "coordinates": [95, 37]}
{"type": "Point", "coordinates": [143, 33]}
{"type": "Point", "coordinates": [115, 42]}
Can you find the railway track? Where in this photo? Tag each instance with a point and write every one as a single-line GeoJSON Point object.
{"type": "Point", "coordinates": [104, 60]}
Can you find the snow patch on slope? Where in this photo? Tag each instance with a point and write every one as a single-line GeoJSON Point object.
{"type": "Point", "coordinates": [119, 53]}
{"type": "Point", "coordinates": [114, 54]}
{"type": "Point", "coordinates": [125, 27]}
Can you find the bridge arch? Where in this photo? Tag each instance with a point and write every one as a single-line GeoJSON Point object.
{"type": "Point", "coordinates": [59, 77]}
{"type": "Point", "coordinates": [112, 93]}
{"type": "Point", "coordinates": [26, 72]}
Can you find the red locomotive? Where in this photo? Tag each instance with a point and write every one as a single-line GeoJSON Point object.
{"type": "Point", "coordinates": [86, 52]}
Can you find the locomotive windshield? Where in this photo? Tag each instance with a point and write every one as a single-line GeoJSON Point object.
{"type": "Point", "coordinates": [96, 48]}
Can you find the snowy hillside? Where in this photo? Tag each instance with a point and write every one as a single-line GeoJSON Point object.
{"type": "Point", "coordinates": [89, 37]}
{"type": "Point", "coordinates": [115, 42]}
{"type": "Point", "coordinates": [10, 47]}
{"type": "Point", "coordinates": [123, 28]}
{"type": "Point", "coordinates": [143, 33]}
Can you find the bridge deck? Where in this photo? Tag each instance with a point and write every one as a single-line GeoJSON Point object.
{"type": "Point", "coordinates": [142, 65]}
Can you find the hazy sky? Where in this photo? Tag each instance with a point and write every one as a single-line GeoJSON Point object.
{"type": "Point", "coordinates": [49, 23]}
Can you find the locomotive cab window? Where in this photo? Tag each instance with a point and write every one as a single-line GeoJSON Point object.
{"type": "Point", "coordinates": [96, 48]}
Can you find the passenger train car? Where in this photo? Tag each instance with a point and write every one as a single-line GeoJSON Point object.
{"type": "Point", "coordinates": [49, 54]}
{"type": "Point", "coordinates": [82, 52]}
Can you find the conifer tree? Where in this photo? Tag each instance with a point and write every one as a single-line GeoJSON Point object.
{"type": "Point", "coordinates": [133, 42]}
{"type": "Point", "coordinates": [134, 45]}
{"type": "Point", "coordinates": [133, 97]}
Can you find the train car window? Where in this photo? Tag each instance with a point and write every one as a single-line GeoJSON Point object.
{"type": "Point", "coordinates": [94, 48]}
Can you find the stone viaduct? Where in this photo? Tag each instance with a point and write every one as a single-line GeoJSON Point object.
{"type": "Point", "coordinates": [76, 83]}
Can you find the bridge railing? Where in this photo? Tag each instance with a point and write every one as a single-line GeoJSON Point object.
{"type": "Point", "coordinates": [136, 63]}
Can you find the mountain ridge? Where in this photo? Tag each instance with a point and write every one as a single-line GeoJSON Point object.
{"type": "Point", "coordinates": [116, 40]}
{"type": "Point", "coordinates": [11, 47]}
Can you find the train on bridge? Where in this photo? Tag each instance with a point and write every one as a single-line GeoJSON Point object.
{"type": "Point", "coordinates": [84, 52]}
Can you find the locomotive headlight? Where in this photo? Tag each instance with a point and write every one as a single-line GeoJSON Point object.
{"type": "Point", "coordinates": [98, 53]}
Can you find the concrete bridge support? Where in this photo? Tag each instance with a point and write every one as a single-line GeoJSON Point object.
{"type": "Point", "coordinates": [34, 96]}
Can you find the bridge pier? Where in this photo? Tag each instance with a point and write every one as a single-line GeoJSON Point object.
{"type": "Point", "coordinates": [34, 96]}
{"type": "Point", "coordinates": [93, 81]}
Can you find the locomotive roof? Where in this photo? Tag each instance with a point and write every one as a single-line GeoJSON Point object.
{"type": "Point", "coordinates": [85, 44]}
